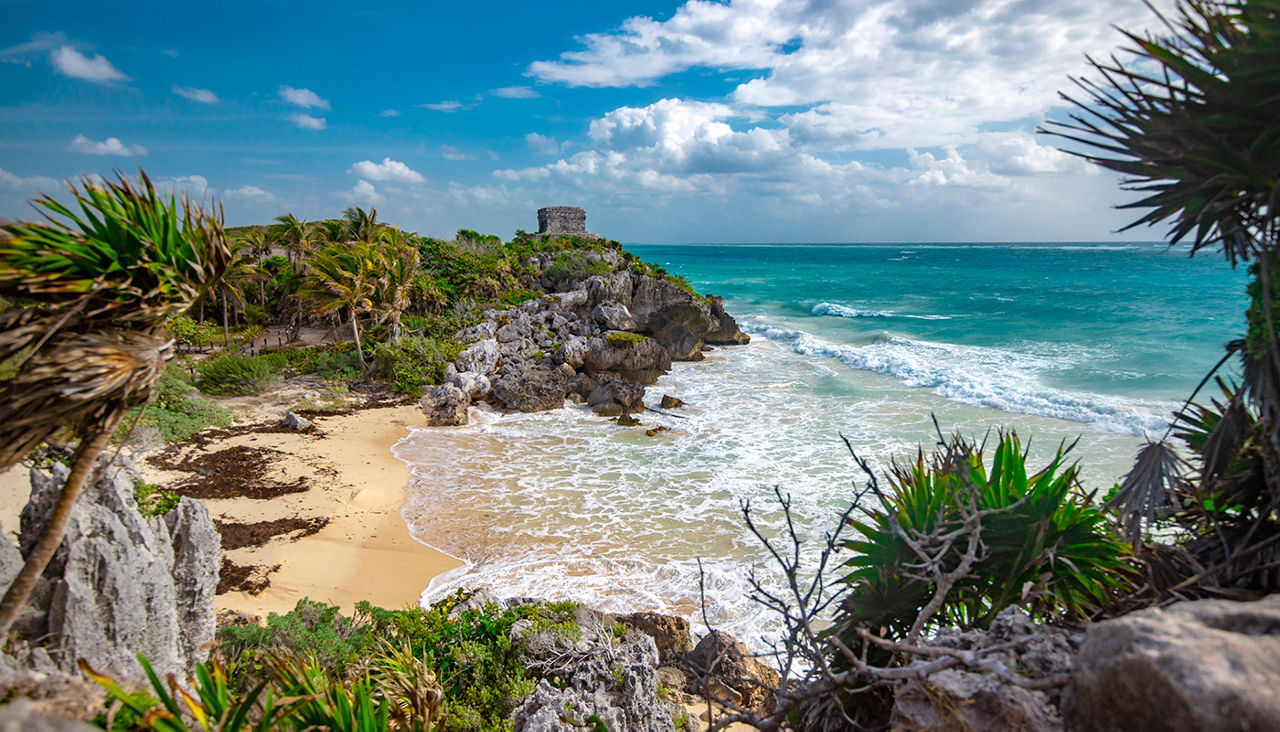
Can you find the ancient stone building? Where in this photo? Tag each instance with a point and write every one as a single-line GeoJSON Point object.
{"type": "Point", "coordinates": [556, 220]}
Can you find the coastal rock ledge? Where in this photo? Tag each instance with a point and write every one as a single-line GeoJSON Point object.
{"type": "Point", "coordinates": [594, 338]}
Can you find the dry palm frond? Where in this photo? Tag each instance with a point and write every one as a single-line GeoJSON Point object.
{"type": "Point", "coordinates": [1151, 486]}
{"type": "Point", "coordinates": [77, 380]}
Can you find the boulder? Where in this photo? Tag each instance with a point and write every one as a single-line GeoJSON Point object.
{"type": "Point", "coordinates": [613, 316]}
{"type": "Point", "coordinates": [295, 422]}
{"type": "Point", "coordinates": [121, 584]}
{"type": "Point", "coordinates": [614, 396]}
{"type": "Point", "coordinates": [1204, 665]}
{"type": "Point", "coordinates": [475, 385]}
{"type": "Point", "coordinates": [670, 634]}
{"type": "Point", "coordinates": [23, 715]}
{"type": "Point", "coordinates": [670, 402]}
{"type": "Point", "coordinates": [573, 351]}
{"type": "Point", "coordinates": [726, 332]}
{"type": "Point", "coordinates": [723, 660]}
{"type": "Point", "coordinates": [445, 406]}
{"type": "Point", "coordinates": [680, 320]}
{"type": "Point", "coordinates": [530, 387]}
{"type": "Point", "coordinates": [481, 357]}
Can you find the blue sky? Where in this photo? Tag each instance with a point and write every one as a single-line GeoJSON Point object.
{"type": "Point", "coordinates": [738, 121]}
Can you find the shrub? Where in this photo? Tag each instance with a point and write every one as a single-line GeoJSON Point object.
{"type": "Point", "coordinates": [1041, 542]}
{"type": "Point", "coordinates": [153, 500]}
{"type": "Point", "coordinates": [192, 333]}
{"type": "Point", "coordinates": [335, 641]}
{"type": "Point", "coordinates": [230, 374]}
{"type": "Point", "coordinates": [622, 338]}
{"type": "Point", "coordinates": [414, 363]}
{"type": "Point", "coordinates": [335, 362]}
{"type": "Point", "coordinates": [177, 410]}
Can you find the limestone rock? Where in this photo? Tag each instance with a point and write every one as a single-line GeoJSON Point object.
{"type": "Point", "coordinates": [534, 388]}
{"type": "Point", "coordinates": [1203, 665]}
{"type": "Point", "coordinates": [611, 315]}
{"type": "Point", "coordinates": [670, 634]}
{"type": "Point", "coordinates": [475, 385]}
{"type": "Point", "coordinates": [22, 715]}
{"type": "Point", "coordinates": [481, 357]}
{"type": "Point", "coordinates": [955, 699]}
{"type": "Point", "coordinates": [636, 359]}
{"type": "Point", "coordinates": [670, 402]}
{"type": "Point", "coordinates": [10, 560]}
{"type": "Point", "coordinates": [445, 405]}
{"type": "Point", "coordinates": [118, 587]}
{"type": "Point", "coordinates": [295, 422]}
{"type": "Point", "coordinates": [729, 661]}
{"type": "Point", "coordinates": [573, 351]}
{"type": "Point", "coordinates": [615, 396]}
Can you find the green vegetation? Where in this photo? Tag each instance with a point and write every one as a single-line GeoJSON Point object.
{"type": "Point", "coordinates": [414, 364]}
{"type": "Point", "coordinates": [229, 374]}
{"type": "Point", "coordinates": [623, 338]}
{"type": "Point", "coordinates": [154, 501]}
{"type": "Point", "coordinates": [468, 655]}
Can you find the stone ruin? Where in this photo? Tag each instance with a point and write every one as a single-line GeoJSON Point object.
{"type": "Point", "coordinates": [557, 220]}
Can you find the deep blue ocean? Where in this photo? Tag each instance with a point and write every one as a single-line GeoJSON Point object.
{"type": "Point", "coordinates": [1095, 344]}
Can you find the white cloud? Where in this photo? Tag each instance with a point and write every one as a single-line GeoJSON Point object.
{"type": "Point", "coordinates": [70, 62]}
{"type": "Point", "coordinates": [109, 146]}
{"type": "Point", "coordinates": [307, 122]}
{"type": "Point", "coordinates": [31, 184]}
{"type": "Point", "coordinates": [365, 193]}
{"type": "Point", "coordinates": [452, 153]}
{"type": "Point", "coordinates": [447, 106]}
{"type": "Point", "coordinates": [387, 170]}
{"type": "Point", "coordinates": [204, 96]}
{"type": "Point", "coordinates": [250, 193]}
{"type": "Point", "coordinates": [388, 113]}
{"type": "Point", "coordinates": [304, 98]}
{"type": "Point", "coordinates": [515, 92]}
{"type": "Point", "coordinates": [39, 43]}
{"type": "Point", "coordinates": [542, 144]}
{"type": "Point", "coordinates": [193, 186]}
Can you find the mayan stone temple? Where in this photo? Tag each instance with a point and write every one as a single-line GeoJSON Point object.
{"type": "Point", "coordinates": [557, 220]}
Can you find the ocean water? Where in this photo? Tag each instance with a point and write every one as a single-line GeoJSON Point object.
{"type": "Point", "coordinates": [1094, 342]}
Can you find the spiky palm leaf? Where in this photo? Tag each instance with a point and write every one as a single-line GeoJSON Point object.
{"type": "Point", "coordinates": [1150, 486]}
{"type": "Point", "coordinates": [1200, 135]}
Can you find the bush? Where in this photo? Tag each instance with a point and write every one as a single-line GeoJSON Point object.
{"type": "Point", "coordinates": [189, 332]}
{"type": "Point", "coordinates": [230, 374]}
{"type": "Point", "coordinates": [177, 410]}
{"type": "Point", "coordinates": [414, 364]}
{"type": "Point", "coordinates": [335, 362]}
{"type": "Point", "coordinates": [153, 500]}
{"type": "Point", "coordinates": [1043, 544]}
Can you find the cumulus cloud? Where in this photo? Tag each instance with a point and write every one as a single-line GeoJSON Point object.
{"type": "Point", "coordinates": [307, 122]}
{"type": "Point", "coordinates": [249, 193]}
{"type": "Point", "coordinates": [452, 153]}
{"type": "Point", "coordinates": [30, 184]}
{"type": "Point", "coordinates": [70, 62]}
{"type": "Point", "coordinates": [304, 98]}
{"type": "Point", "coordinates": [387, 170]}
{"type": "Point", "coordinates": [388, 113]}
{"type": "Point", "coordinates": [204, 96]}
{"type": "Point", "coordinates": [193, 186]}
{"type": "Point", "coordinates": [22, 53]}
{"type": "Point", "coordinates": [515, 92]}
{"type": "Point", "coordinates": [542, 144]}
{"type": "Point", "coordinates": [109, 146]}
{"type": "Point", "coordinates": [366, 194]}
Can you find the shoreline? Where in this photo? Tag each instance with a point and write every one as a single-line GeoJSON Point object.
{"type": "Point", "coordinates": [363, 552]}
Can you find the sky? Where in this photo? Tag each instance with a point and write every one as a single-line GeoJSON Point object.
{"type": "Point", "coordinates": [669, 122]}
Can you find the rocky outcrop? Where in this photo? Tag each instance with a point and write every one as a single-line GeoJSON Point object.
{"type": "Point", "coordinates": [1203, 665]}
{"type": "Point", "coordinates": [670, 634]}
{"type": "Point", "coordinates": [962, 699]}
{"type": "Point", "coordinates": [557, 346]}
{"type": "Point", "coordinates": [613, 396]}
{"type": "Point", "coordinates": [732, 674]}
{"type": "Point", "coordinates": [121, 584]}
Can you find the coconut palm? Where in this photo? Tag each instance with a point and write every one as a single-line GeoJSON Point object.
{"type": "Point", "coordinates": [296, 236]}
{"type": "Point", "coordinates": [343, 276]}
{"type": "Point", "coordinates": [397, 268]}
{"type": "Point", "coordinates": [1193, 120]}
{"type": "Point", "coordinates": [240, 270]}
{"type": "Point", "coordinates": [104, 278]}
{"type": "Point", "coordinates": [360, 225]}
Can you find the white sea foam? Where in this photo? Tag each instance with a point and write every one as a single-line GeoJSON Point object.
{"type": "Point", "coordinates": [844, 311]}
{"type": "Point", "coordinates": [987, 377]}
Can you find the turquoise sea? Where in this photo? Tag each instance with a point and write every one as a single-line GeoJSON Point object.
{"type": "Point", "coordinates": [1099, 342]}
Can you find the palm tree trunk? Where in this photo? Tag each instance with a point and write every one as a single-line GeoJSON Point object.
{"type": "Point", "coordinates": [51, 538]}
{"type": "Point", "coordinates": [226, 334]}
{"type": "Point", "coordinates": [355, 331]}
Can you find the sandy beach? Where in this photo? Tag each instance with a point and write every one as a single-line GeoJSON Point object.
{"type": "Point", "coordinates": [364, 552]}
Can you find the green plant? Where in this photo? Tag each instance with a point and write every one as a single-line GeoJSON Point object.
{"type": "Point", "coordinates": [335, 641]}
{"type": "Point", "coordinates": [153, 500]}
{"type": "Point", "coordinates": [415, 363]}
{"type": "Point", "coordinates": [955, 542]}
{"type": "Point", "coordinates": [192, 333]}
{"type": "Point", "coordinates": [178, 410]}
{"type": "Point", "coordinates": [623, 338]}
{"type": "Point", "coordinates": [230, 374]}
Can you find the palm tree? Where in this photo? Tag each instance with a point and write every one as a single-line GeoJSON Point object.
{"type": "Point", "coordinates": [1194, 122]}
{"type": "Point", "coordinates": [360, 225]}
{"type": "Point", "coordinates": [343, 276]}
{"type": "Point", "coordinates": [295, 235]}
{"type": "Point", "coordinates": [239, 270]}
{"type": "Point", "coordinates": [397, 266]}
{"type": "Point", "coordinates": [106, 280]}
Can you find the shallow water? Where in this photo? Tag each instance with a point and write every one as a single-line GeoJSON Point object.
{"type": "Point", "coordinates": [564, 504]}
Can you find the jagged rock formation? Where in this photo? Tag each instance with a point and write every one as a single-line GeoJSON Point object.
{"type": "Point", "coordinates": [121, 584]}
{"type": "Point", "coordinates": [731, 674]}
{"type": "Point", "coordinates": [1203, 665]}
{"type": "Point", "coordinates": [623, 325]}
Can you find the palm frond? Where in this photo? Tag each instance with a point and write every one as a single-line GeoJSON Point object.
{"type": "Point", "coordinates": [1148, 489]}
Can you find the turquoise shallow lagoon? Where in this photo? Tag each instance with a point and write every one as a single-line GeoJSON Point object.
{"type": "Point", "coordinates": [1099, 342]}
